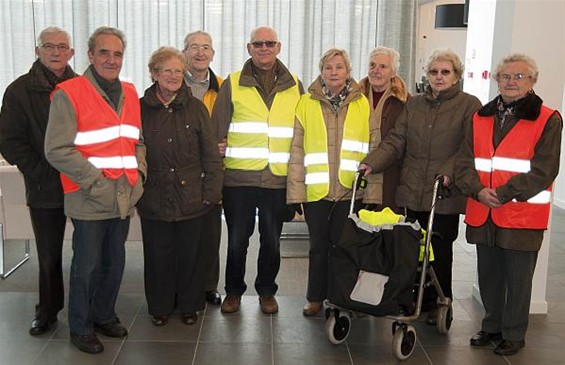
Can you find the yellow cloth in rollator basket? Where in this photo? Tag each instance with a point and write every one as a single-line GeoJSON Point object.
{"type": "Point", "coordinates": [386, 217]}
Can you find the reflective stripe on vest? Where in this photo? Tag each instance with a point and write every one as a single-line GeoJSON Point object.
{"type": "Point", "coordinates": [496, 167]}
{"type": "Point", "coordinates": [354, 144]}
{"type": "Point", "coordinates": [106, 140]}
{"type": "Point", "coordinates": [258, 136]}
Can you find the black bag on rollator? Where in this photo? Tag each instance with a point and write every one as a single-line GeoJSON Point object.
{"type": "Point", "coordinates": [372, 269]}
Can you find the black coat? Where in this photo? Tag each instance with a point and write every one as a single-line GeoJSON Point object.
{"type": "Point", "coordinates": [23, 121]}
{"type": "Point", "coordinates": [184, 166]}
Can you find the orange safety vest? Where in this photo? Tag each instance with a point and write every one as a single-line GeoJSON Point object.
{"type": "Point", "coordinates": [496, 167]}
{"type": "Point", "coordinates": [106, 139]}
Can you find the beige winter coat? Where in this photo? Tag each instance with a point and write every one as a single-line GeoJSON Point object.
{"type": "Point", "coordinates": [296, 188]}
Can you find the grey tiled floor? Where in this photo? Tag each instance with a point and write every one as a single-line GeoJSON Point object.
{"type": "Point", "coordinates": [250, 337]}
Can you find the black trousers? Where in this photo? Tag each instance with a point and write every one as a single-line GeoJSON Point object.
{"type": "Point", "coordinates": [49, 230]}
{"type": "Point", "coordinates": [325, 220]}
{"type": "Point", "coordinates": [211, 247]}
{"type": "Point", "coordinates": [242, 205]}
{"type": "Point", "coordinates": [173, 265]}
{"type": "Point", "coordinates": [446, 227]}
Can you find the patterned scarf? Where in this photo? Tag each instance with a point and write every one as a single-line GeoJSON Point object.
{"type": "Point", "coordinates": [504, 111]}
{"type": "Point", "coordinates": [337, 99]}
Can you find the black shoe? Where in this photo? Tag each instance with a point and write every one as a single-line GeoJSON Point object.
{"type": "Point", "coordinates": [507, 348]}
{"type": "Point", "coordinates": [213, 297]}
{"type": "Point", "coordinates": [111, 329]}
{"type": "Point", "coordinates": [483, 338]}
{"type": "Point", "coordinates": [87, 343]}
{"type": "Point", "coordinates": [40, 326]}
{"type": "Point", "coordinates": [189, 318]}
{"type": "Point", "coordinates": [160, 320]}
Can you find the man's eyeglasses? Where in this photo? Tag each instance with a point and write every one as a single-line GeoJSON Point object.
{"type": "Point", "coordinates": [50, 47]}
{"type": "Point", "coordinates": [260, 44]}
{"type": "Point", "coordinates": [196, 47]}
{"type": "Point", "coordinates": [169, 72]}
{"type": "Point", "coordinates": [434, 72]}
{"type": "Point", "coordinates": [515, 77]}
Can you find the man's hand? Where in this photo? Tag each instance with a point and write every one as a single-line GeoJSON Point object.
{"type": "Point", "coordinates": [488, 197]}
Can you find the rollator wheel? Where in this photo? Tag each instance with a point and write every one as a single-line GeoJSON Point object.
{"type": "Point", "coordinates": [404, 341]}
{"type": "Point", "coordinates": [444, 318]}
{"type": "Point", "coordinates": [338, 327]}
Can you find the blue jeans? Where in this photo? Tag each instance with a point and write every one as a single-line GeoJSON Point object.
{"type": "Point", "coordinates": [240, 204]}
{"type": "Point", "coordinates": [96, 272]}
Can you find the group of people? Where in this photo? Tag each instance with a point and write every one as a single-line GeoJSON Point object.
{"type": "Point", "coordinates": [261, 148]}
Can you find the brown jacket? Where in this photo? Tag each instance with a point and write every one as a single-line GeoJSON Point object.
{"type": "Point", "coordinates": [544, 170]}
{"type": "Point", "coordinates": [221, 118]}
{"type": "Point", "coordinates": [393, 101]}
{"type": "Point", "coordinates": [427, 136]}
{"type": "Point", "coordinates": [296, 189]}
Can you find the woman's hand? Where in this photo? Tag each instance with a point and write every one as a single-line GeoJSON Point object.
{"type": "Point", "coordinates": [488, 197]}
{"type": "Point", "coordinates": [222, 145]}
{"type": "Point", "coordinates": [368, 170]}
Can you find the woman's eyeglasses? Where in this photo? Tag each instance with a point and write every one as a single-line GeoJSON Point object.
{"type": "Point", "coordinates": [434, 72]}
{"type": "Point", "coordinates": [515, 77]}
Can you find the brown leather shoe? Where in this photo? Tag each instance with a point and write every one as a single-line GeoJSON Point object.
{"type": "Point", "coordinates": [231, 304]}
{"type": "Point", "coordinates": [268, 304]}
{"type": "Point", "coordinates": [312, 308]}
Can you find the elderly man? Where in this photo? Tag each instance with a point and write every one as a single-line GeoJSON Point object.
{"type": "Point", "coordinates": [23, 120]}
{"type": "Point", "coordinates": [93, 139]}
{"type": "Point", "coordinates": [204, 84]}
{"type": "Point", "coordinates": [254, 114]}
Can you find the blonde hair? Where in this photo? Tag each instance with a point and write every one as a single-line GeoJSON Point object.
{"type": "Point", "coordinates": [447, 56]}
{"type": "Point", "coordinates": [332, 52]}
{"type": "Point", "coordinates": [163, 54]}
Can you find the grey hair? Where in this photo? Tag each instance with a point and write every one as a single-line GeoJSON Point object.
{"type": "Point", "coordinates": [254, 31]}
{"type": "Point", "coordinates": [52, 30]}
{"type": "Point", "coordinates": [447, 56]}
{"type": "Point", "coordinates": [107, 31]}
{"type": "Point", "coordinates": [391, 52]}
{"type": "Point", "coordinates": [195, 33]}
{"type": "Point", "coordinates": [332, 52]}
{"type": "Point", "coordinates": [519, 57]}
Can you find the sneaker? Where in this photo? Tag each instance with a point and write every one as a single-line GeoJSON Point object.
{"type": "Point", "coordinates": [268, 304]}
{"type": "Point", "coordinates": [231, 304]}
{"type": "Point", "coordinates": [87, 343]}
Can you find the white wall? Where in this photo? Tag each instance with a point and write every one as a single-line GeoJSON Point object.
{"type": "Point", "coordinates": [429, 38]}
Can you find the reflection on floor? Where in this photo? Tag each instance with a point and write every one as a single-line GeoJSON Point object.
{"type": "Point", "coordinates": [251, 338]}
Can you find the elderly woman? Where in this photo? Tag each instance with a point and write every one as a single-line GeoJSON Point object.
{"type": "Point", "coordinates": [387, 94]}
{"type": "Point", "coordinates": [331, 137]}
{"type": "Point", "coordinates": [184, 182]}
{"type": "Point", "coordinates": [507, 165]}
{"type": "Point", "coordinates": [426, 137]}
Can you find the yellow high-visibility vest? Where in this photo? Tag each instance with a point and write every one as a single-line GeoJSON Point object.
{"type": "Point", "coordinates": [258, 136]}
{"type": "Point", "coordinates": [354, 144]}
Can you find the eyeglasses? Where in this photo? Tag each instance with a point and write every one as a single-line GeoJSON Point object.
{"type": "Point", "coordinates": [259, 44]}
{"type": "Point", "coordinates": [435, 72]}
{"type": "Point", "coordinates": [196, 47]}
{"type": "Point", "coordinates": [168, 72]}
{"type": "Point", "coordinates": [515, 77]}
{"type": "Point", "coordinates": [50, 47]}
